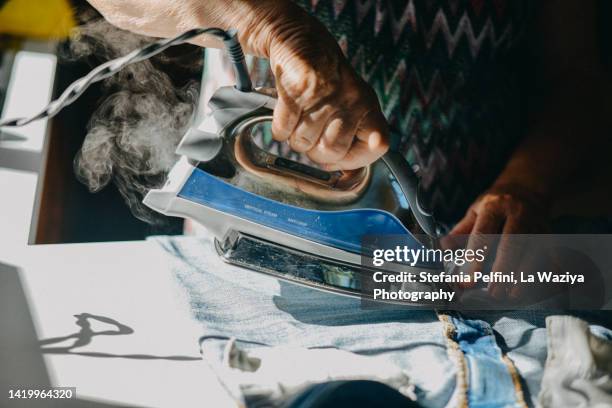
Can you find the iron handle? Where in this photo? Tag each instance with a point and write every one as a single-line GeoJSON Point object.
{"type": "Point", "coordinates": [409, 184]}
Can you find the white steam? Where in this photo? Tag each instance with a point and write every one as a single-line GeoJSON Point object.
{"type": "Point", "coordinates": [133, 133]}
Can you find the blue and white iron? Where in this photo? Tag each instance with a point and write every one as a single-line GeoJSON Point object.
{"type": "Point", "coordinates": [268, 212]}
{"type": "Point", "coordinates": [280, 216]}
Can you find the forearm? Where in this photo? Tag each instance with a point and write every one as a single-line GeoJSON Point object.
{"type": "Point", "coordinates": [258, 22]}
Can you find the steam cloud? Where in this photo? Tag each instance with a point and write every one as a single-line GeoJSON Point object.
{"type": "Point", "coordinates": [132, 135]}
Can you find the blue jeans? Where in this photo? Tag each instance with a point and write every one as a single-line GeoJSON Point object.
{"type": "Point", "coordinates": [491, 359]}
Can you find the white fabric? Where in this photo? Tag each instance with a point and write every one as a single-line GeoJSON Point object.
{"type": "Point", "coordinates": [578, 371]}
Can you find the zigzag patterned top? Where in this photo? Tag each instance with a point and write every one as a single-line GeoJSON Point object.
{"type": "Point", "coordinates": [444, 76]}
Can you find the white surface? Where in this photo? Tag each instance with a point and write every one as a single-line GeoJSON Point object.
{"type": "Point", "coordinates": [127, 282]}
{"type": "Point", "coordinates": [30, 88]}
{"type": "Point", "coordinates": [42, 288]}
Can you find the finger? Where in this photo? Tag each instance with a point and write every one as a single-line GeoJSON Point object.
{"type": "Point", "coordinates": [465, 225]}
{"type": "Point", "coordinates": [272, 92]}
{"type": "Point", "coordinates": [489, 221]}
{"type": "Point", "coordinates": [456, 238]}
{"type": "Point", "coordinates": [510, 252]}
{"type": "Point", "coordinates": [519, 290]}
{"type": "Point", "coordinates": [370, 143]}
{"type": "Point", "coordinates": [499, 290]}
{"type": "Point", "coordinates": [309, 129]}
{"type": "Point", "coordinates": [335, 141]}
{"type": "Point", "coordinates": [475, 240]}
{"type": "Point", "coordinates": [511, 249]}
{"type": "Point", "coordinates": [452, 242]}
{"type": "Point", "coordinates": [526, 291]}
{"type": "Point", "coordinates": [286, 117]}
{"type": "Point", "coordinates": [359, 155]}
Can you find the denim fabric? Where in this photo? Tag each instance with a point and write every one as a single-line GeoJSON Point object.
{"type": "Point", "coordinates": [491, 377]}
{"type": "Point", "coordinates": [260, 311]}
{"type": "Point", "coordinates": [521, 335]}
{"type": "Point", "coordinates": [275, 374]}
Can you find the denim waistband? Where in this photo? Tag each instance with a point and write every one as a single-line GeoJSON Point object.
{"type": "Point", "coordinates": [486, 377]}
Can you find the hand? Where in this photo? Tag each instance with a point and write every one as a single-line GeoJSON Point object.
{"type": "Point", "coordinates": [324, 108]}
{"type": "Point", "coordinates": [506, 210]}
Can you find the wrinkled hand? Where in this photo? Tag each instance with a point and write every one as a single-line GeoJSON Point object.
{"type": "Point", "coordinates": [505, 210]}
{"type": "Point", "coordinates": [324, 108]}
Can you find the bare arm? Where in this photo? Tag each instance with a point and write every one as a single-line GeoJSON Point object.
{"type": "Point", "coordinates": [324, 108]}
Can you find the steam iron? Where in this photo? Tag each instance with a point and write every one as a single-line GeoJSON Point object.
{"type": "Point", "coordinates": [280, 216]}
{"type": "Point", "coordinates": [267, 212]}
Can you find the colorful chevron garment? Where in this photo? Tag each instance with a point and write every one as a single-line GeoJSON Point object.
{"type": "Point", "coordinates": [445, 74]}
